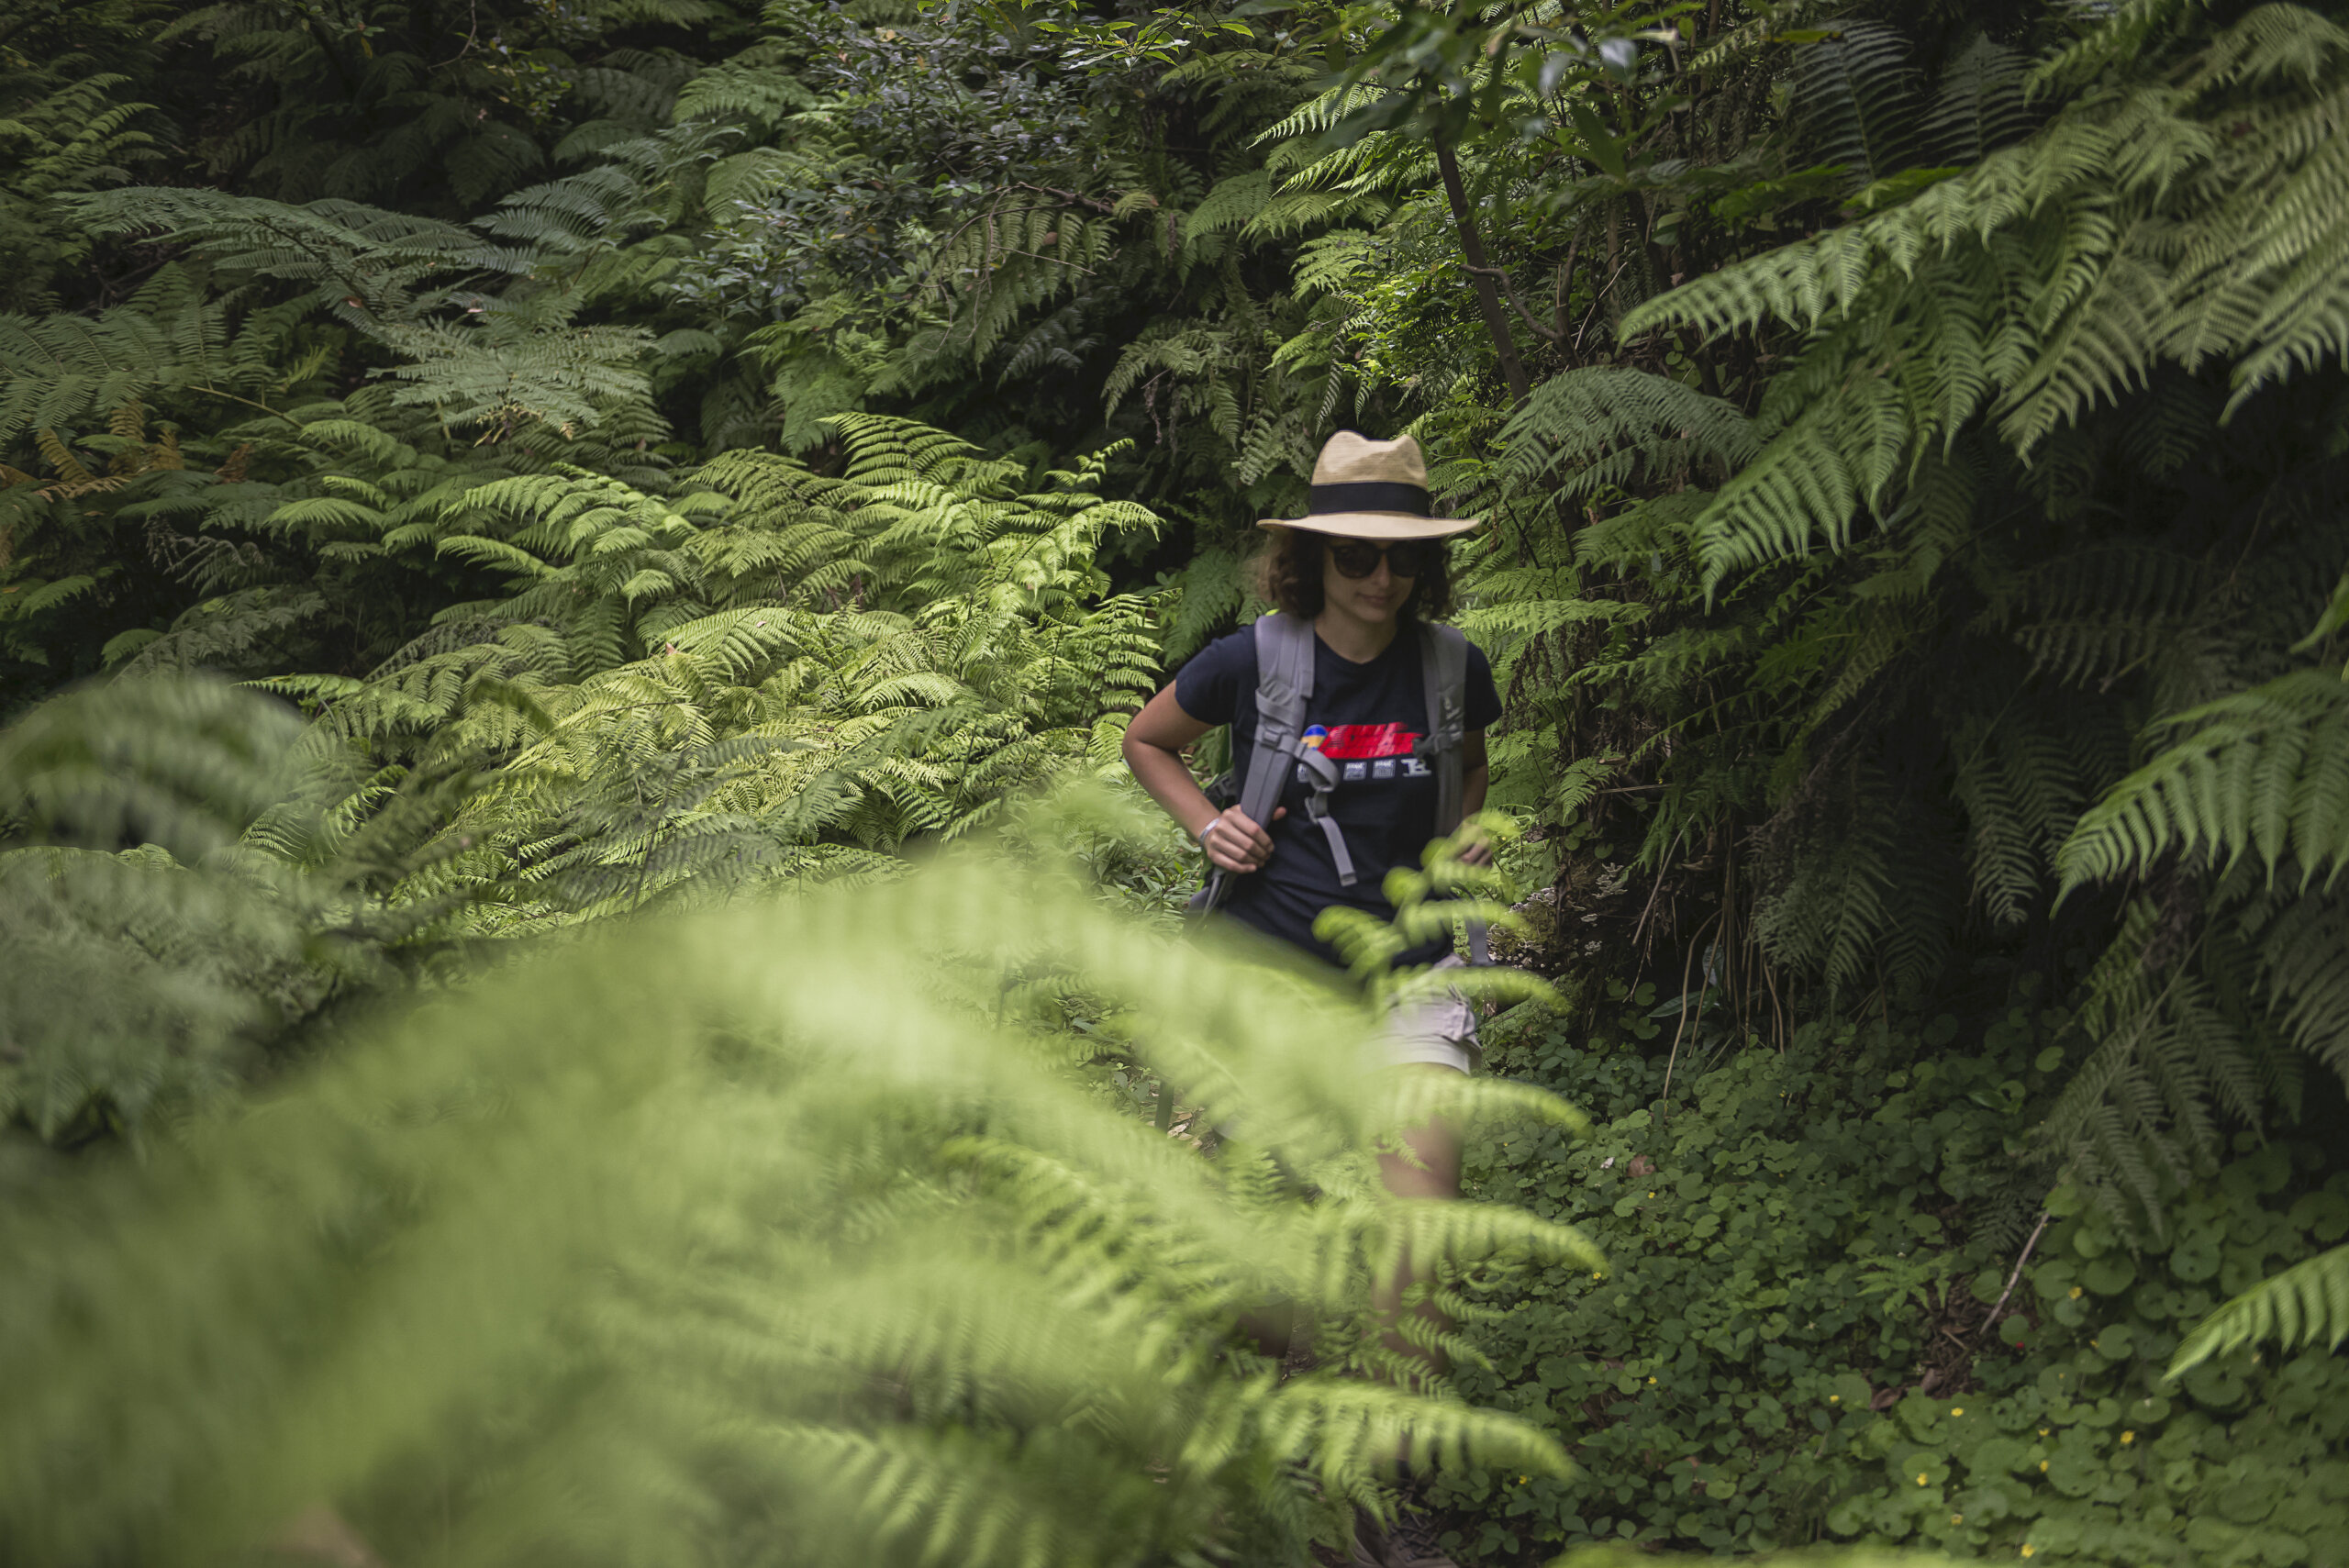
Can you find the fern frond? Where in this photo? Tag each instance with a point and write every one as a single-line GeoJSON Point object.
{"type": "Point", "coordinates": [2264, 773]}
{"type": "Point", "coordinates": [2306, 1303]}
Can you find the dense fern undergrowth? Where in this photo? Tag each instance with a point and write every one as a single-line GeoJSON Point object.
{"type": "Point", "coordinates": [585, 983]}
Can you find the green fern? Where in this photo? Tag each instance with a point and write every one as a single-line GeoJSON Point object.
{"type": "Point", "coordinates": [2033, 291]}
{"type": "Point", "coordinates": [1860, 101]}
{"type": "Point", "coordinates": [894, 1274]}
{"type": "Point", "coordinates": [2264, 773]}
{"type": "Point", "coordinates": [779, 675]}
{"type": "Point", "coordinates": [155, 979]}
{"type": "Point", "coordinates": [2306, 1303]}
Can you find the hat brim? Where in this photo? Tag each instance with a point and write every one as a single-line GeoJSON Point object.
{"type": "Point", "coordinates": [1374, 525]}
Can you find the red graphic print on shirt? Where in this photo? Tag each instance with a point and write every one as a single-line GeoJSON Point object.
{"type": "Point", "coordinates": [1369, 740]}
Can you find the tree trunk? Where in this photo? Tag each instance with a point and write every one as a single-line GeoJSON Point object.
{"type": "Point", "coordinates": [1489, 294]}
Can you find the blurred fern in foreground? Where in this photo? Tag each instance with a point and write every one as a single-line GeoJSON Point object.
{"type": "Point", "coordinates": [187, 876]}
{"type": "Point", "coordinates": [771, 1235]}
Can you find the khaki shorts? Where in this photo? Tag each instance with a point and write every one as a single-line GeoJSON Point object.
{"type": "Point", "coordinates": [1438, 1030]}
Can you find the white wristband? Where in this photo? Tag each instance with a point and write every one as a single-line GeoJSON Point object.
{"type": "Point", "coordinates": [1209, 829]}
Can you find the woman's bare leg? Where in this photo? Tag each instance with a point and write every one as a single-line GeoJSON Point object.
{"type": "Point", "coordinates": [1432, 1170]}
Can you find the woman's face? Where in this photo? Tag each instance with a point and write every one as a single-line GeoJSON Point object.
{"type": "Point", "coordinates": [1376, 597]}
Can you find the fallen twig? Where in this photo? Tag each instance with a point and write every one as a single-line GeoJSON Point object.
{"type": "Point", "coordinates": [2036, 1231]}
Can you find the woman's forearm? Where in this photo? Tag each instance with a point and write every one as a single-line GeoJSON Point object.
{"type": "Point", "coordinates": [1153, 749]}
{"type": "Point", "coordinates": [1167, 780]}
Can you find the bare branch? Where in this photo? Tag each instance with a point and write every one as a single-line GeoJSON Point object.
{"type": "Point", "coordinates": [1508, 289]}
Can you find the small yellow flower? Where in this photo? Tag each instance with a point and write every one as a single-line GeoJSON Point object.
{"type": "Point", "coordinates": [1650, 1195]}
{"type": "Point", "coordinates": [2027, 1549]}
{"type": "Point", "coordinates": [1920, 1478]}
{"type": "Point", "coordinates": [2127, 1437]}
{"type": "Point", "coordinates": [1651, 1380]}
{"type": "Point", "coordinates": [2042, 1465]}
{"type": "Point", "coordinates": [1522, 1480]}
{"type": "Point", "coordinates": [1957, 1519]}
{"type": "Point", "coordinates": [2043, 1431]}
{"type": "Point", "coordinates": [1834, 1399]}
{"type": "Point", "coordinates": [1957, 1409]}
{"type": "Point", "coordinates": [2076, 1293]}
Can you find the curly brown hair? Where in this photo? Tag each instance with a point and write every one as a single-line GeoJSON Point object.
{"type": "Point", "coordinates": [1288, 573]}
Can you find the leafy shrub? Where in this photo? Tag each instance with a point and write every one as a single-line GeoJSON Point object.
{"type": "Point", "coordinates": [1797, 1251]}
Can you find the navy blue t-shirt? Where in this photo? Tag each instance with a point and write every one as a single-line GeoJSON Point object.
{"type": "Point", "coordinates": [1370, 718]}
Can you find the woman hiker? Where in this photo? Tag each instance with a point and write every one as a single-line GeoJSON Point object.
{"type": "Point", "coordinates": [1364, 567]}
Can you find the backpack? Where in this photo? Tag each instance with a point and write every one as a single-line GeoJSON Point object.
{"type": "Point", "coordinates": [1284, 687]}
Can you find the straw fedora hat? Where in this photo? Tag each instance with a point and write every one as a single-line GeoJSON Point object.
{"type": "Point", "coordinates": [1366, 489]}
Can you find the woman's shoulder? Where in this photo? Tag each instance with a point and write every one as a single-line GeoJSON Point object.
{"type": "Point", "coordinates": [1476, 655]}
{"type": "Point", "coordinates": [1231, 652]}
{"type": "Point", "coordinates": [1209, 684]}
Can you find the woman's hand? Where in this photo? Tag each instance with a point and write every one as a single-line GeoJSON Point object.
{"type": "Point", "coordinates": [1234, 843]}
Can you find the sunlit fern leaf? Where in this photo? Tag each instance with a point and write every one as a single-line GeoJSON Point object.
{"type": "Point", "coordinates": [1321, 113]}
{"type": "Point", "coordinates": [2089, 294]}
{"type": "Point", "coordinates": [1230, 206]}
{"type": "Point", "coordinates": [505, 372]}
{"type": "Point", "coordinates": [1072, 1382]}
{"type": "Point", "coordinates": [2264, 773]}
{"type": "Point", "coordinates": [749, 87]}
{"type": "Point", "coordinates": [2307, 1304]}
{"type": "Point", "coordinates": [1804, 486]}
{"type": "Point", "coordinates": [62, 368]}
{"type": "Point", "coordinates": [2098, 347]}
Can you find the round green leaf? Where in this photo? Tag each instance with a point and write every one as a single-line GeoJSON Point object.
{"type": "Point", "coordinates": [2251, 1499]}
{"type": "Point", "coordinates": [2216, 1385]}
{"type": "Point", "coordinates": [2073, 1474]}
{"type": "Point", "coordinates": [2110, 1275]}
{"type": "Point", "coordinates": [2195, 1260]}
{"type": "Point", "coordinates": [1998, 1456]}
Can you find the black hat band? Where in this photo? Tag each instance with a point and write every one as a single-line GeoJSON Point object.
{"type": "Point", "coordinates": [1370, 495]}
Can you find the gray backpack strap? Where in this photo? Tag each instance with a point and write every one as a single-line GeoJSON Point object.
{"type": "Point", "coordinates": [1443, 664]}
{"type": "Point", "coordinates": [1320, 778]}
{"type": "Point", "coordinates": [1284, 685]}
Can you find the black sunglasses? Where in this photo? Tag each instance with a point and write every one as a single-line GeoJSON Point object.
{"type": "Point", "coordinates": [1406, 558]}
